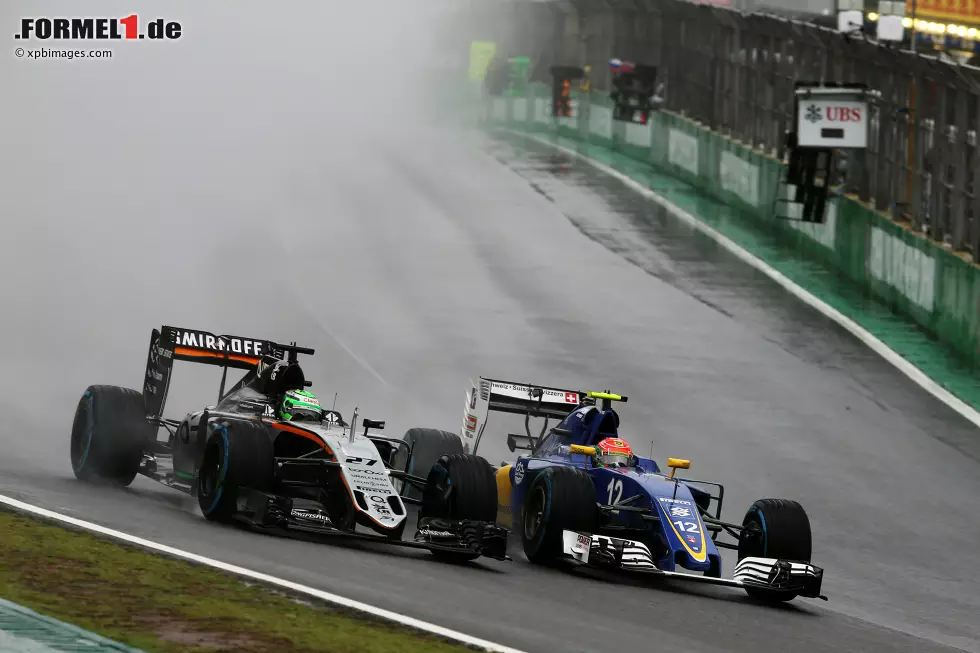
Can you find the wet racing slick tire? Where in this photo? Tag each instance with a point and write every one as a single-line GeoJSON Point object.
{"type": "Point", "coordinates": [109, 434]}
{"type": "Point", "coordinates": [427, 446]}
{"type": "Point", "coordinates": [775, 528]}
{"type": "Point", "coordinates": [560, 498]}
{"type": "Point", "coordinates": [236, 455]}
{"type": "Point", "coordinates": [460, 487]}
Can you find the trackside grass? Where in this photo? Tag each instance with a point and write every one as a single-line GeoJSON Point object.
{"type": "Point", "coordinates": [160, 604]}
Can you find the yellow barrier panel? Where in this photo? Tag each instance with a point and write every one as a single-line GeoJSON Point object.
{"type": "Point", "coordinates": [481, 54]}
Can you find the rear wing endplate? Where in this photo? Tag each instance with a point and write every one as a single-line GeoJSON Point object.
{"type": "Point", "coordinates": [192, 345]}
{"type": "Point", "coordinates": [516, 398]}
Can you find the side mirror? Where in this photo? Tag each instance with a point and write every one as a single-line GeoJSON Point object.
{"type": "Point", "coordinates": [518, 442]}
{"type": "Point", "coordinates": [371, 424]}
{"type": "Point", "coordinates": [677, 463]}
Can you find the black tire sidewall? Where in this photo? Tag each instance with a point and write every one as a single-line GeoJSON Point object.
{"type": "Point", "coordinates": [786, 535]}
{"type": "Point", "coordinates": [785, 527]}
{"type": "Point", "coordinates": [109, 435]}
{"type": "Point", "coordinates": [569, 504]}
{"type": "Point", "coordinates": [427, 447]}
{"type": "Point", "coordinates": [81, 438]}
{"type": "Point", "coordinates": [472, 496]}
{"type": "Point", "coordinates": [246, 460]}
{"type": "Point", "coordinates": [543, 545]}
{"type": "Point", "coordinates": [214, 462]}
{"type": "Point", "coordinates": [473, 489]}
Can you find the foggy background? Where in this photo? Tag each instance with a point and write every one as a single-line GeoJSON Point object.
{"type": "Point", "coordinates": [216, 182]}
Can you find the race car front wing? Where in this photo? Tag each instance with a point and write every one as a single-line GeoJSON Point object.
{"type": "Point", "coordinates": [273, 512]}
{"type": "Point", "coordinates": [770, 574]}
{"type": "Point", "coordinates": [463, 535]}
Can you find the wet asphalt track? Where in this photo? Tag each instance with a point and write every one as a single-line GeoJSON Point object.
{"type": "Point", "coordinates": [233, 195]}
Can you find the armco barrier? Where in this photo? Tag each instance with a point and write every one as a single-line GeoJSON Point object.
{"type": "Point", "coordinates": [912, 276]}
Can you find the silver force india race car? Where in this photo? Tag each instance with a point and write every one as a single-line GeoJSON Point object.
{"type": "Point", "coordinates": [268, 455]}
{"type": "Point", "coordinates": [578, 492]}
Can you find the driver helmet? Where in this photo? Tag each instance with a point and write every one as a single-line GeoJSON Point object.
{"type": "Point", "coordinates": [300, 406]}
{"type": "Point", "coordinates": [614, 452]}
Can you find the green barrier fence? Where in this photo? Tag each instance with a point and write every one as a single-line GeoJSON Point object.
{"type": "Point", "coordinates": [890, 264]}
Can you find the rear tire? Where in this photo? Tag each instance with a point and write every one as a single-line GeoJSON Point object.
{"type": "Point", "coordinates": [560, 498]}
{"type": "Point", "coordinates": [109, 434]}
{"type": "Point", "coordinates": [237, 456]}
{"type": "Point", "coordinates": [460, 486]}
{"type": "Point", "coordinates": [780, 529]}
{"type": "Point", "coordinates": [429, 446]}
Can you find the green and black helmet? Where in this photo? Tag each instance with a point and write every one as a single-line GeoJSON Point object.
{"type": "Point", "coordinates": [300, 406]}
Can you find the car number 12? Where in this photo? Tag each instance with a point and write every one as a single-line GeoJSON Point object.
{"type": "Point", "coordinates": [615, 486]}
{"type": "Point", "coordinates": [687, 527]}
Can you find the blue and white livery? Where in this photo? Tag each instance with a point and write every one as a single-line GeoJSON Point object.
{"type": "Point", "coordinates": [567, 504]}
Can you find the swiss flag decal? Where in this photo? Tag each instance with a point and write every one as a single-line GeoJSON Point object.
{"type": "Point", "coordinates": [571, 397]}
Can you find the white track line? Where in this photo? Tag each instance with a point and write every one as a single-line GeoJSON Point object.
{"type": "Point", "coordinates": [876, 345]}
{"type": "Point", "coordinates": [467, 640]}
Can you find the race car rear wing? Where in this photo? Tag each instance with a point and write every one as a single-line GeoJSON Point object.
{"type": "Point", "coordinates": [519, 399]}
{"type": "Point", "coordinates": [172, 343]}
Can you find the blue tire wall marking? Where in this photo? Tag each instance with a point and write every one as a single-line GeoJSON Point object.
{"type": "Point", "coordinates": [88, 431]}
{"type": "Point", "coordinates": [219, 486]}
{"type": "Point", "coordinates": [765, 536]}
{"type": "Point", "coordinates": [442, 475]}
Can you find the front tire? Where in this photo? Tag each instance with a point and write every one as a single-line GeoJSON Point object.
{"type": "Point", "coordinates": [775, 528]}
{"type": "Point", "coordinates": [560, 498]}
{"type": "Point", "coordinates": [427, 447]}
{"type": "Point", "coordinates": [109, 434]}
{"type": "Point", "coordinates": [460, 486]}
{"type": "Point", "coordinates": [237, 455]}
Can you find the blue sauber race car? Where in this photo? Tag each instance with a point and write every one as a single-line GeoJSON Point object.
{"type": "Point", "coordinates": [578, 492]}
